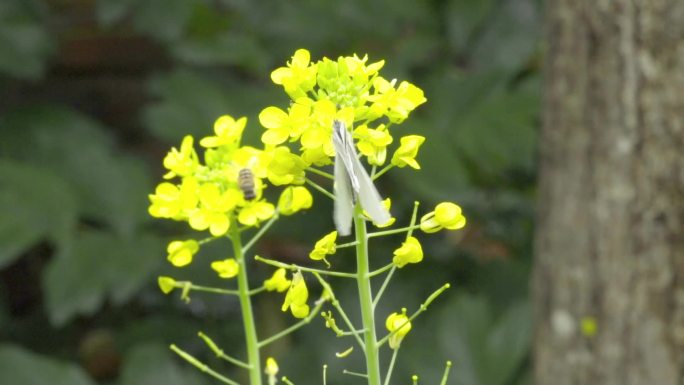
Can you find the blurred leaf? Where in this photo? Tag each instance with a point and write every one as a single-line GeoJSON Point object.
{"type": "Point", "coordinates": [190, 103]}
{"type": "Point", "coordinates": [34, 204]}
{"type": "Point", "coordinates": [25, 42]}
{"type": "Point", "coordinates": [101, 266]}
{"type": "Point", "coordinates": [21, 367]}
{"type": "Point", "coordinates": [510, 36]}
{"type": "Point", "coordinates": [110, 12]}
{"type": "Point", "coordinates": [487, 351]}
{"type": "Point", "coordinates": [226, 48]}
{"type": "Point", "coordinates": [152, 364]}
{"type": "Point", "coordinates": [164, 20]}
{"type": "Point", "coordinates": [110, 188]}
{"type": "Point", "coordinates": [463, 17]}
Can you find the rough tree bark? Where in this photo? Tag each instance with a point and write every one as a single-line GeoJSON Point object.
{"type": "Point", "coordinates": [610, 234]}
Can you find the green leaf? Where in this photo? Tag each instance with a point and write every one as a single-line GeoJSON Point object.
{"type": "Point", "coordinates": [21, 367]}
{"type": "Point", "coordinates": [510, 37]}
{"type": "Point", "coordinates": [110, 12]}
{"type": "Point", "coordinates": [164, 20]}
{"type": "Point", "coordinates": [100, 266]}
{"type": "Point", "coordinates": [35, 204]}
{"type": "Point", "coordinates": [190, 103]}
{"type": "Point", "coordinates": [111, 188]}
{"type": "Point", "coordinates": [153, 364]}
{"type": "Point", "coordinates": [490, 350]}
{"type": "Point", "coordinates": [25, 42]}
{"type": "Point", "coordinates": [463, 17]}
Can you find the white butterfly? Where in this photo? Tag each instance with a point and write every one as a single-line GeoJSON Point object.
{"type": "Point", "coordinates": [353, 183]}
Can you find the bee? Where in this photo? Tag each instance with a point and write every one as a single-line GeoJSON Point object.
{"type": "Point", "coordinates": [246, 183]}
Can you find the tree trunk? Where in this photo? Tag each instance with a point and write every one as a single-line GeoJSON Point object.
{"type": "Point", "coordinates": [610, 231]}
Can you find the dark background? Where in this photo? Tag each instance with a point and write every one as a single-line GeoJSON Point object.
{"type": "Point", "coordinates": [93, 94]}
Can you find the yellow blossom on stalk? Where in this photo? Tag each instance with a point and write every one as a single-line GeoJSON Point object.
{"type": "Point", "coordinates": [324, 246]}
{"type": "Point", "coordinates": [407, 151]}
{"type": "Point", "coordinates": [278, 281]}
{"type": "Point", "coordinates": [446, 215]}
{"type": "Point", "coordinates": [397, 103]}
{"type": "Point", "coordinates": [271, 367]}
{"type": "Point", "coordinates": [373, 143]}
{"type": "Point", "coordinates": [183, 162]}
{"type": "Point", "coordinates": [227, 268]}
{"type": "Point", "coordinates": [294, 199]}
{"type": "Point", "coordinates": [296, 297]}
{"type": "Point", "coordinates": [399, 324]}
{"type": "Point", "coordinates": [254, 212]}
{"type": "Point", "coordinates": [281, 126]}
{"type": "Point", "coordinates": [409, 252]}
{"type": "Point", "coordinates": [181, 252]}
{"type": "Point", "coordinates": [299, 77]}
{"type": "Point", "coordinates": [228, 131]}
{"type": "Point", "coordinates": [174, 202]}
{"type": "Point", "coordinates": [284, 167]}
{"type": "Point", "coordinates": [166, 284]}
{"type": "Point", "coordinates": [214, 206]}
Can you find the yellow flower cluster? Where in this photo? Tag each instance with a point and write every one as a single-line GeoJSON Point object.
{"type": "Point", "coordinates": [229, 183]}
{"type": "Point", "coordinates": [346, 89]}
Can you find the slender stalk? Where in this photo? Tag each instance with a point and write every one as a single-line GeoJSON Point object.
{"type": "Point", "coordinates": [313, 313]}
{"type": "Point", "coordinates": [320, 172]}
{"type": "Point", "coordinates": [338, 307]}
{"type": "Point", "coordinates": [393, 231]}
{"type": "Point", "coordinates": [294, 267]}
{"type": "Point", "coordinates": [366, 299]}
{"type": "Point", "coordinates": [207, 289]}
{"type": "Point", "coordinates": [260, 233]}
{"type": "Point", "coordinates": [202, 366]}
{"type": "Point", "coordinates": [319, 188]}
{"type": "Point", "coordinates": [251, 339]}
{"type": "Point", "coordinates": [220, 353]}
{"type": "Point", "coordinates": [391, 366]}
{"type": "Point", "coordinates": [384, 170]}
{"type": "Point", "coordinates": [383, 287]}
{"type": "Point", "coordinates": [445, 376]}
{"type": "Point", "coordinates": [357, 374]}
{"type": "Point", "coordinates": [421, 309]}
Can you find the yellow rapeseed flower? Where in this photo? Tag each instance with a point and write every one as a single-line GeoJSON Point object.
{"type": "Point", "coordinates": [324, 246]}
{"type": "Point", "coordinates": [228, 131]}
{"type": "Point", "coordinates": [227, 268]}
{"type": "Point", "coordinates": [446, 215]}
{"type": "Point", "coordinates": [294, 199]}
{"type": "Point", "coordinates": [400, 325]}
{"type": "Point", "coordinates": [409, 252]}
{"type": "Point", "coordinates": [181, 163]}
{"type": "Point", "coordinates": [296, 297]}
{"type": "Point", "coordinates": [166, 284]}
{"type": "Point", "coordinates": [407, 151]}
{"type": "Point", "coordinates": [181, 252]}
{"type": "Point", "coordinates": [278, 281]}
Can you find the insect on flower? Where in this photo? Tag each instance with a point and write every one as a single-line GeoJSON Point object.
{"type": "Point", "coordinates": [352, 183]}
{"type": "Point", "coordinates": [246, 183]}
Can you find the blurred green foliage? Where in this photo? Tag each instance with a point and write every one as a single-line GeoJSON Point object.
{"type": "Point", "coordinates": [79, 254]}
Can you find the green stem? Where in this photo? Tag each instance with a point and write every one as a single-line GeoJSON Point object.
{"type": "Point", "coordinates": [220, 353]}
{"type": "Point", "coordinates": [202, 366]}
{"type": "Point", "coordinates": [192, 287]}
{"type": "Point", "coordinates": [384, 170]}
{"type": "Point", "coordinates": [320, 172]}
{"type": "Point", "coordinates": [423, 307]}
{"type": "Point", "coordinates": [445, 376]}
{"type": "Point", "coordinates": [338, 307]}
{"type": "Point", "coordinates": [319, 188]}
{"type": "Point", "coordinates": [391, 366]}
{"type": "Point", "coordinates": [251, 339]}
{"type": "Point", "coordinates": [366, 299]}
{"type": "Point", "coordinates": [313, 313]}
{"type": "Point", "coordinates": [384, 286]}
{"type": "Point", "coordinates": [294, 267]}
{"type": "Point", "coordinates": [260, 233]}
{"type": "Point", "coordinates": [357, 374]}
{"type": "Point", "coordinates": [393, 231]}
